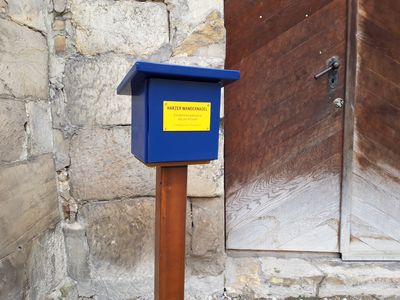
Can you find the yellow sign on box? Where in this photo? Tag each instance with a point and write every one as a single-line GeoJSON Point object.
{"type": "Point", "coordinates": [186, 116]}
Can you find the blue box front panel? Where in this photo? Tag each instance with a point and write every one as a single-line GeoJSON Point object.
{"type": "Point", "coordinates": [181, 146]}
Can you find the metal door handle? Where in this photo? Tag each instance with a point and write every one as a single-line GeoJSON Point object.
{"type": "Point", "coordinates": [333, 65]}
{"type": "Point", "coordinates": [332, 71]}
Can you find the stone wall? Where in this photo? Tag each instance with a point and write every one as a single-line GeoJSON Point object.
{"type": "Point", "coordinates": [66, 160]}
{"type": "Point", "coordinates": [110, 239]}
{"type": "Point", "coordinates": [32, 253]}
{"type": "Point", "coordinates": [77, 210]}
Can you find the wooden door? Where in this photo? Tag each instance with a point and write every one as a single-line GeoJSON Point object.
{"type": "Point", "coordinates": [283, 134]}
{"type": "Point", "coordinates": [371, 210]}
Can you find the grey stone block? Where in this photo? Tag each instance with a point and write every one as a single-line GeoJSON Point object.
{"type": "Point", "coordinates": [90, 86]}
{"type": "Point", "coordinates": [59, 5]}
{"type": "Point", "coordinates": [187, 15]}
{"type": "Point", "coordinates": [120, 234]}
{"type": "Point", "coordinates": [24, 75]}
{"type": "Point", "coordinates": [208, 180]}
{"type": "Point", "coordinates": [77, 252]}
{"type": "Point", "coordinates": [131, 27]}
{"type": "Point", "coordinates": [113, 252]}
{"type": "Point", "coordinates": [40, 127]}
{"type": "Point", "coordinates": [207, 242]}
{"type": "Point", "coordinates": [208, 39]}
{"type": "Point", "coordinates": [61, 149]}
{"type": "Point", "coordinates": [102, 166]}
{"type": "Point", "coordinates": [46, 267]}
{"type": "Point", "coordinates": [35, 268]}
{"type": "Point", "coordinates": [28, 198]}
{"type": "Point", "coordinates": [29, 12]}
{"type": "Point", "coordinates": [12, 130]}
{"type": "Point", "coordinates": [13, 283]}
{"type": "Point", "coordinates": [208, 226]}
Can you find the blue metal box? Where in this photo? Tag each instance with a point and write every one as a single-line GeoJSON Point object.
{"type": "Point", "coordinates": [175, 111]}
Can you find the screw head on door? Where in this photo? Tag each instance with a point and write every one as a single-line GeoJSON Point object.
{"type": "Point", "coordinates": [339, 102]}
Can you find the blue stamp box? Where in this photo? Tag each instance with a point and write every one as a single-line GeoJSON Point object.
{"type": "Point", "coordinates": [175, 111]}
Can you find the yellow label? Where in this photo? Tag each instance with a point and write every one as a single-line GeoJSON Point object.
{"type": "Point", "coordinates": [186, 116]}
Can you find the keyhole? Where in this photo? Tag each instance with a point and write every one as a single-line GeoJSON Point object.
{"type": "Point", "coordinates": [332, 80]}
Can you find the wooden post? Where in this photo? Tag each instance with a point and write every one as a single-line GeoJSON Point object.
{"type": "Point", "coordinates": [170, 228]}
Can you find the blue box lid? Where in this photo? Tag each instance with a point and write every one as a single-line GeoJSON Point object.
{"type": "Point", "coordinates": [142, 70]}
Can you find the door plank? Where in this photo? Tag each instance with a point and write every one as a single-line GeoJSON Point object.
{"type": "Point", "coordinates": [283, 146]}
{"type": "Point", "coordinates": [266, 31]}
{"type": "Point", "coordinates": [373, 214]}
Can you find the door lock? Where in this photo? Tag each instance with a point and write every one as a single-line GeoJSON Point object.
{"type": "Point", "coordinates": [332, 71]}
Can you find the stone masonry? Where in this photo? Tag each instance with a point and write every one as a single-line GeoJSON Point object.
{"type": "Point", "coordinates": [32, 254]}
{"type": "Point", "coordinates": [77, 210]}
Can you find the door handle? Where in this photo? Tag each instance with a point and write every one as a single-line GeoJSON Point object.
{"type": "Point", "coordinates": [332, 71]}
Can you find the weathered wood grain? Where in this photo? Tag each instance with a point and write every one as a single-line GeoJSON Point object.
{"type": "Point", "coordinates": [279, 214]}
{"type": "Point", "coordinates": [169, 265]}
{"type": "Point", "coordinates": [374, 227]}
{"type": "Point", "coordinates": [348, 134]}
{"type": "Point", "coordinates": [261, 10]}
{"type": "Point", "coordinates": [283, 134]}
{"type": "Point", "coordinates": [261, 33]}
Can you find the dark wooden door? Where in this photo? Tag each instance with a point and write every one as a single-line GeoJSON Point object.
{"type": "Point", "coordinates": [370, 214]}
{"type": "Point", "coordinates": [283, 133]}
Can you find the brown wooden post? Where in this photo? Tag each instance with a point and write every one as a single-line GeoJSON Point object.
{"type": "Point", "coordinates": [169, 279]}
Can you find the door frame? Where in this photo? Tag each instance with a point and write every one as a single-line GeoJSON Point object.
{"type": "Point", "coordinates": [348, 127]}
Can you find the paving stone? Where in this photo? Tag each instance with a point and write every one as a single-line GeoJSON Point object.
{"type": "Point", "coordinates": [318, 278]}
{"type": "Point", "coordinates": [381, 279]}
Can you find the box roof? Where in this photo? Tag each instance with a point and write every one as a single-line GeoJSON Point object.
{"type": "Point", "coordinates": [141, 71]}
